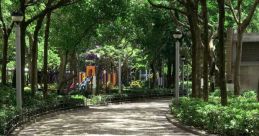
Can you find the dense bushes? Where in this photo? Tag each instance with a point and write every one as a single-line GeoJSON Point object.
{"type": "Point", "coordinates": [8, 103]}
{"type": "Point", "coordinates": [128, 94]}
{"type": "Point", "coordinates": [136, 84]}
{"type": "Point", "coordinates": [7, 106]}
{"type": "Point", "coordinates": [240, 117]}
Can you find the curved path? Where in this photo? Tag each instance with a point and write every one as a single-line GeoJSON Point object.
{"type": "Point", "coordinates": [146, 118]}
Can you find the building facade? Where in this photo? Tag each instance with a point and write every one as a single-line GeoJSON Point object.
{"type": "Point", "coordinates": [249, 69]}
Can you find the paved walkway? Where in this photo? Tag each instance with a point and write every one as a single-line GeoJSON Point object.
{"type": "Point", "coordinates": [133, 119]}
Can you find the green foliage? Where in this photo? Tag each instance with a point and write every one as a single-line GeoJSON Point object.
{"type": "Point", "coordinates": [53, 58]}
{"type": "Point", "coordinates": [8, 103]}
{"type": "Point", "coordinates": [216, 93]}
{"type": "Point", "coordinates": [127, 94]}
{"type": "Point", "coordinates": [136, 84]}
{"type": "Point", "coordinates": [81, 21]}
{"type": "Point", "coordinates": [240, 117]}
{"type": "Point", "coordinates": [98, 100]}
{"type": "Point", "coordinates": [80, 98]}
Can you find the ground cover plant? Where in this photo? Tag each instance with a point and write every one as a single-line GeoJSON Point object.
{"type": "Point", "coordinates": [8, 103]}
{"type": "Point", "coordinates": [127, 94]}
{"type": "Point", "coordinates": [239, 117]}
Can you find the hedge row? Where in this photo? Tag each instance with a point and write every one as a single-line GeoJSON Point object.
{"type": "Point", "coordinates": [240, 117]}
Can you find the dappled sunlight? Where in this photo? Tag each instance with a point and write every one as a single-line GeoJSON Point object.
{"type": "Point", "coordinates": [139, 118]}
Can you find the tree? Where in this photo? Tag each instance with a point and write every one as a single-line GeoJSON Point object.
{"type": "Point", "coordinates": [189, 9]}
{"type": "Point", "coordinates": [6, 31]}
{"type": "Point", "coordinates": [84, 17]}
{"type": "Point", "coordinates": [223, 89]}
{"type": "Point", "coordinates": [155, 39]}
{"type": "Point", "coordinates": [206, 49]}
{"type": "Point", "coordinates": [34, 53]}
{"type": "Point", "coordinates": [50, 6]}
{"type": "Point", "coordinates": [242, 24]}
{"type": "Point", "coordinates": [46, 47]}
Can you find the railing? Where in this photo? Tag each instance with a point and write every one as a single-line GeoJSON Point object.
{"type": "Point", "coordinates": [28, 115]}
{"type": "Point", "coordinates": [134, 97]}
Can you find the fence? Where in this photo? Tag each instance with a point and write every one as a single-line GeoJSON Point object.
{"type": "Point", "coordinates": [133, 97]}
{"type": "Point", "coordinates": [28, 115]}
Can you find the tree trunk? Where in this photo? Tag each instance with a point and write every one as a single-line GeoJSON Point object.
{"type": "Point", "coordinates": [212, 76]}
{"type": "Point", "coordinates": [192, 11]}
{"type": "Point", "coordinates": [160, 72]}
{"type": "Point", "coordinates": [174, 71]}
{"type": "Point", "coordinates": [45, 60]}
{"type": "Point", "coordinates": [194, 73]}
{"type": "Point", "coordinates": [258, 92]}
{"type": "Point", "coordinates": [212, 69]}
{"type": "Point", "coordinates": [154, 75]}
{"type": "Point", "coordinates": [199, 63]}
{"type": "Point", "coordinates": [62, 70]}
{"type": "Point", "coordinates": [98, 76]}
{"type": "Point", "coordinates": [29, 57]}
{"type": "Point", "coordinates": [34, 54]}
{"type": "Point", "coordinates": [222, 74]}
{"type": "Point", "coordinates": [169, 74]}
{"type": "Point", "coordinates": [4, 58]}
{"type": "Point", "coordinates": [206, 51]}
{"type": "Point", "coordinates": [73, 63]}
{"type": "Point", "coordinates": [23, 44]}
{"type": "Point", "coordinates": [125, 72]}
{"type": "Point", "coordinates": [242, 25]}
{"type": "Point", "coordinates": [238, 61]}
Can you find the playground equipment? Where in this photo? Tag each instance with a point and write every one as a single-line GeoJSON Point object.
{"type": "Point", "coordinates": [87, 80]}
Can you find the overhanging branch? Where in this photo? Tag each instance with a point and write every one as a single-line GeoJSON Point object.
{"type": "Point", "coordinates": [50, 9]}
{"type": "Point", "coordinates": [250, 15]}
{"type": "Point", "coordinates": [165, 7]}
{"type": "Point", "coordinates": [230, 6]}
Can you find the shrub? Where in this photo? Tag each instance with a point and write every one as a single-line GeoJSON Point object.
{"type": "Point", "coordinates": [97, 100]}
{"type": "Point", "coordinates": [240, 117]}
{"type": "Point", "coordinates": [8, 103]}
{"type": "Point", "coordinates": [136, 84]}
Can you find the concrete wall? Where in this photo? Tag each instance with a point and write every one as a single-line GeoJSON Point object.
{"type": "Point", "coordinates": [249, 70]}
{"type": "Point", "coordinates": [249, 76]}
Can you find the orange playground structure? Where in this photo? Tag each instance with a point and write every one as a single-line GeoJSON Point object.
{"type": "Point", "coordinates": [106, 77]}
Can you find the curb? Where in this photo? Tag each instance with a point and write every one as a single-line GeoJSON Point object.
{"type": "Point", "coordinates": [190, 129]}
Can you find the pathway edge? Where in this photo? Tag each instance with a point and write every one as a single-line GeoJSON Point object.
{"type": "Point", "coordinates": [190, 129]}
{"type": "Point", "coordinates": [44, 116]}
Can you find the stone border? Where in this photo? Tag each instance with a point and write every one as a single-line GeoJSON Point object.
{"type": "Point", "coordinates": [190, 129]}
